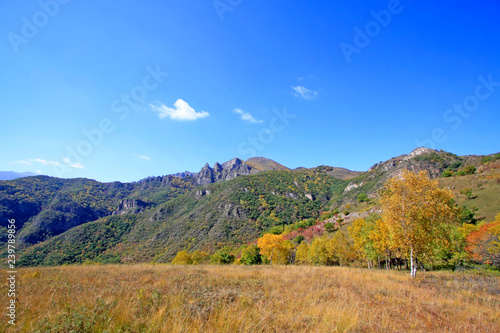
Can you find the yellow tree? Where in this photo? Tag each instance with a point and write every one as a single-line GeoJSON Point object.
{"type": "Point", "coordinates": [380, 237]}
{"type": "Point", "coordinates": [275, 248]}
{"type": "Point", "coordinates": [318, 254]}
{"type": "Point", "coordinates": [301, 255]}
{"type": "Point", "coordinates": [414, 211]}
{"type": "Point", "coordinates": [339, 249]}
{"type": "Point", "coordinates": [363, 245]}
{"type": "Point", "coordinates": [199, 257]}
{"type": "Point", "coordinates": [182, 258]}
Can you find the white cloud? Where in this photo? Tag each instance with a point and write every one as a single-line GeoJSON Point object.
{"type": "Point", "coordinates": [247, 116]}
{"type": "Point", "coordinates": [181, 112]}
{"type": "Point", "coordinates": [77, 166]}
{"type": "Point", "coordinates": [44, 162]}
{"type": "Point", "coordinates": [21, 162]}
{"type": "Point", "coordinates": [31, 161]}
{"type": "Point", "coordinates": [144, 157]}
{"type": "Point", "coordinates": [303, 92]}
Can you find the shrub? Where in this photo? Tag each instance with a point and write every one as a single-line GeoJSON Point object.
{"type": "Point", "coordinates": [470, 170]}
{"type": "Point", "coordinates": [199, 257]}
{"type": "Point", "coordinates": [222, 256]}
{"type": "Point", "coordinates": [467, 192]}
{"type": "Point", "coordinates": [182, 258]}
{"type": "Point", "coordinates": [363, 197]}
{"type": "Point", "coordinates": [298, 239]}
{"type": "Point", "coordinates": [330, 227]}
{"type": "Point", "coordinates": [447, 173]}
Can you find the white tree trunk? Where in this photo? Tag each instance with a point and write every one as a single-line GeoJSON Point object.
{"type": "Point", "coordinates": [413, 267]}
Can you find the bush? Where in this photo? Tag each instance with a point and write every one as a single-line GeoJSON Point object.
{"type": "Point", "coordinates": [182, 258]}
{"type": "Point", "coordinates": [447, 173]}
{"type": "Point", "coordinates": [467, 192]}
{"type": "Point", "coordinates": [363, 197]}
{"type": "Point", "coordinates": [470, 170]}
{"type": "Point", "coordinates": [455, 165]}
{"type": "Point", "coordinates": [222, 257]}
{"type": "Point", "coordinates": [468, 215]}
{"type": "Point", "coordinates": [330, 227]}
{"type": "Point", "coordinates": [298, 239]}
{"type": "Point", "coordinates": [199, 257]}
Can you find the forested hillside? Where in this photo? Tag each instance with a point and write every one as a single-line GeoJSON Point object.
{"type": "Point", "coordinates": [73, 221]}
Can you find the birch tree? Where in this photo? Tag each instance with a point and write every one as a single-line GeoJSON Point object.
{"type": "Point", "coordinates": [415, 210]}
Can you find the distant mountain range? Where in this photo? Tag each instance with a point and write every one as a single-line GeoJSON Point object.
{"type": "Point", "coordinates": [74, 220]}
{"type": "Point", "coordinates": [9, 175]}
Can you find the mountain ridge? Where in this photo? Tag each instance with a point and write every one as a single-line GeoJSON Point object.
{"type": "Point", "coordinates": [229, 203]}
{"type": "Point", "coordinates": [10, 175]}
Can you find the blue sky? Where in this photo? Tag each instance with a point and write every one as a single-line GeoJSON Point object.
{"type": "Point", "coordinates": [123, 91]}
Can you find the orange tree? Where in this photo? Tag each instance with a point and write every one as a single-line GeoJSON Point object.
{"type": "Point", "coordinates": [484, 243]}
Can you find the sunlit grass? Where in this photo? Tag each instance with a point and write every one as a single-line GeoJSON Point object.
{"type": "Point", "coordinates": [164, 298]}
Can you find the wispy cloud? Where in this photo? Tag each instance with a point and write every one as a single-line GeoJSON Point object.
{"type": "Point", "coordinates": [20, 162]}
{"type": "Point", "coordinates": [31, 161]}
{"type": "Point", "coordinates": [77, 166]}
{"type": "Point", "coordinates": [181, 111]}
{"type": "Point", "coordinates": [303, 92]}
{"type": "Point", "coordinates": [247, 116]}
{"type": "Point", "coordinates": [144, 157]}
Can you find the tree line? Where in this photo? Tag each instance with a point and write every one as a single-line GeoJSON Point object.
{"type": "Point", "coordinates": [420, 226]}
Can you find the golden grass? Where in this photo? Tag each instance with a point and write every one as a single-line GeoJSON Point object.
{"type": "Point", "coordinates": [164, 298]}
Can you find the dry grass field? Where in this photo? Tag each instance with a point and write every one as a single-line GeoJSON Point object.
{"type": "Point", "coordinates": [164, 298]}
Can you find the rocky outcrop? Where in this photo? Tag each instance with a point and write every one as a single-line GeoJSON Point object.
{"type": "Point", "coordinates": [205, 176]}
{"type": "Point", "coordinates": [418, 152]}
{"type": "Point", "coordinates": [227, 171]}
{"type": "Point", "coordinates": [352, 186]}
{"type": "Point", "coordinates": [133, 206]}
{"type": "Point", "coordinates": [201, 193]}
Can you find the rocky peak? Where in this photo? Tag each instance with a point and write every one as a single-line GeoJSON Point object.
{"type": "Point", "coordinates": [217, 167]}
{"type": "Point", "coordinates": [232, 164]}
{"type": "Point", "coordinates": [417, 152]}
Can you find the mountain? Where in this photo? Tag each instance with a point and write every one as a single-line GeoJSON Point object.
{"type": "Point", "coordinates": [9, 175]}
{"type": "Point", "coordinates": [73, 220]}
{"type": "Point", "coordinates": [264, 164]}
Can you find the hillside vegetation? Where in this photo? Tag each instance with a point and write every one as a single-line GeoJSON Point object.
{"type": "Point", "coordinates": [237, 205]}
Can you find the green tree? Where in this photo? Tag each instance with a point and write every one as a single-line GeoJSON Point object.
{"type": "Point", "coordinates": [222, 257]}
{"type": "Point", "coordinates": [250, 255]}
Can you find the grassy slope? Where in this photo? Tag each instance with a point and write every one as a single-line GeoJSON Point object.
{"type": "Point", "coordinates": [161, 298]}
{"type": "Point", "coordinates": [485, 188]}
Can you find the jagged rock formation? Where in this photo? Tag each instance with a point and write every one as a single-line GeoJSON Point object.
{"type": "Point", "coordinates": [133, 206]}
{"type": "Point", "coordinates": [227, 171]}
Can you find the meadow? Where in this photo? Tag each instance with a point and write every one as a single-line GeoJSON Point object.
{"type": "Point", "coordinates": [168, 298]}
